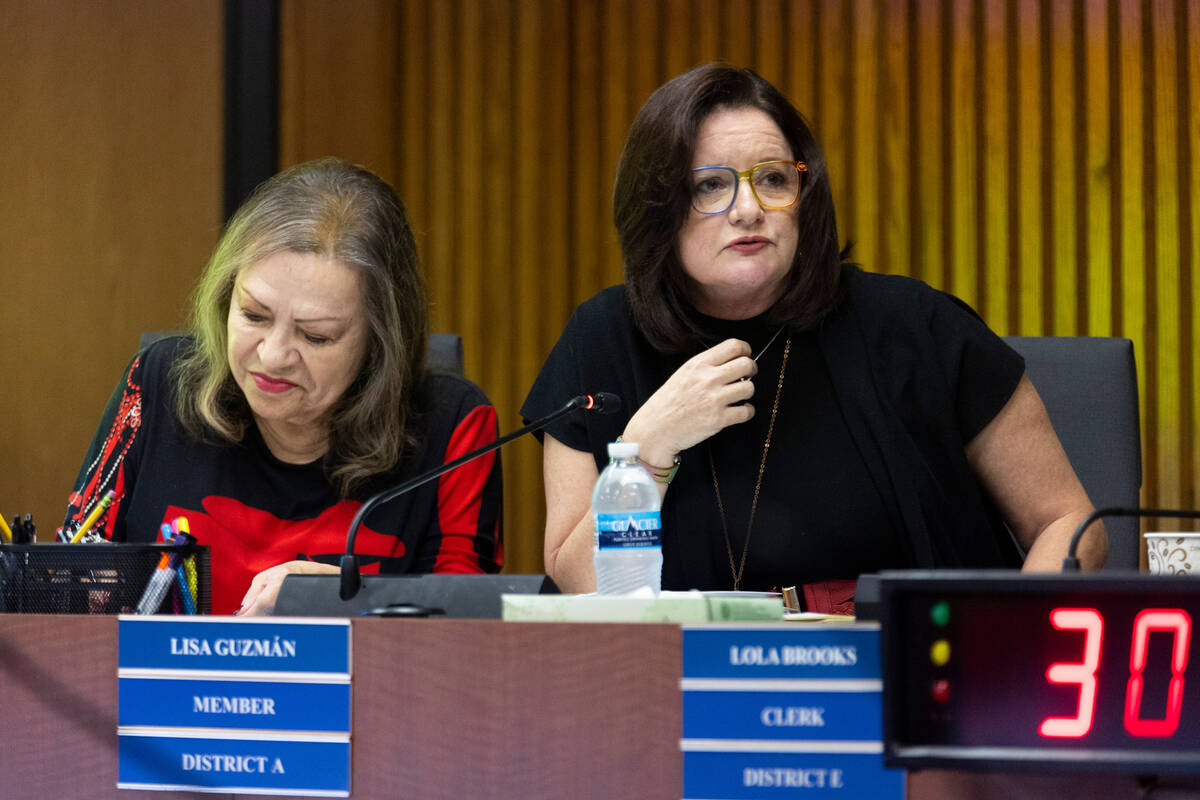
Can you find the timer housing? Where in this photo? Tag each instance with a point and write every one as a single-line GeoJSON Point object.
{"type": "Point", "coordinates": [1005, 671]}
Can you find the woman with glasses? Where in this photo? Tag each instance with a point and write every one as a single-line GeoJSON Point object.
{"type": "Point", "coordinates": [806, 421]}
{"type": "Point", "coordinates": [300, 391]}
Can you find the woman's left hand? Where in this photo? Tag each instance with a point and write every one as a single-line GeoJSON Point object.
{"type": "Point", "coordinates": [260, 599]}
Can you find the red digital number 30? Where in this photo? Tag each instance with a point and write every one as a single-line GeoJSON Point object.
{"type": "Point", "coordinates": [1083, 673]}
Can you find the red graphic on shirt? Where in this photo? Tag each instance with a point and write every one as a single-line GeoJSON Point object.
{"type": "Point", "coordinates": [244, 541]}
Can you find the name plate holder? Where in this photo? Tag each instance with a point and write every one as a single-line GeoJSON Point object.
{"type": "Point", "coordinates": [771, 709]}
{"type": "Point", "coordinates": [231, 705]}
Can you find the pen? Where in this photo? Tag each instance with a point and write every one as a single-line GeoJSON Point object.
{"type": "Point", "coordinates": [100, 508]}
{"type": "Point", "coordinates": [5, 531]}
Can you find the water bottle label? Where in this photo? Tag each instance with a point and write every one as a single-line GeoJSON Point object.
{"type": "Point", "coordinates": [629, 529]}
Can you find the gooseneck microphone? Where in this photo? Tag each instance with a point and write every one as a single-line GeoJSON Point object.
{"type": "Point", "coordinates": [599, 403]}
{"type": "Point", "coordinates": [1071, 562]}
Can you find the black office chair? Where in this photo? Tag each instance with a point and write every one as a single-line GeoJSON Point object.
{"type": "Point", "coordinates": [445, 352]}
{"type": "Point", "coordinates": [1089, 387]}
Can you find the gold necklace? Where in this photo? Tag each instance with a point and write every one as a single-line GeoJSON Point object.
{"type": "Point", "coordinates": [740, 568]}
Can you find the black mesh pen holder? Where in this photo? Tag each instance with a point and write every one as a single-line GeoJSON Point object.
{"type": "Point", "coordinates": [103, 579]}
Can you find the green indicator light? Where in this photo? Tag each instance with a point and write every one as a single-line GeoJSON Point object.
{"type": "Point", "coordinates": [940, 613]}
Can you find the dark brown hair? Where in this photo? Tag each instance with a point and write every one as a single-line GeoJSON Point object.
{"type": "Point", "coordinates": [652, 198]}
{"type": "Point", "coordinates": [342, 212]}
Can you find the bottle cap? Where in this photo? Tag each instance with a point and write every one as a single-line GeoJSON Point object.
{"type": "Point", "coordinates": [622, 449]}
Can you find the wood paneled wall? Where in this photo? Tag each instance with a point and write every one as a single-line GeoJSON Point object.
{"type": "Point", "coordinates": [1036, 157]}
{"type": "Point", "coordinates": [110, 201]}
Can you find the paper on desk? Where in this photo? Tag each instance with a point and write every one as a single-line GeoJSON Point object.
{"type": "Point", "coordinates": [813, 616]}
{"type": "Point", "coordinates": [684, 607]}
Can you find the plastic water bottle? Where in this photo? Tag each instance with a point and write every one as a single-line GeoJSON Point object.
{"type": "Point", "coordinates": [627, 546]}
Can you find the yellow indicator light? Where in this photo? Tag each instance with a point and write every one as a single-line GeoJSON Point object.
{"type": "Point", "coordinates": [939, 654]}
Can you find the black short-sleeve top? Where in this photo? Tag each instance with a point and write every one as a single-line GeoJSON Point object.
{"type": "Point", "coordinates": [866, 468]}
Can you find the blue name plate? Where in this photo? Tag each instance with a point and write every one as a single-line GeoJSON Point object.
{"type": "Point", "coordinates": [781, 651]}
{"type": "Point", "coordinates": [784, 715]}
{"type": "Point", "coordinates": [741, 776]}
{"type": "Point", "coordinates": [238, 645]}
{"type": "Point", "coordinates": [258, 766]}
{"type": "Point", "coordinates": [255, 705]}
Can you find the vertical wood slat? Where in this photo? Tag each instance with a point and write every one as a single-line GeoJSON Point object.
{"type": "Point", "coordinates": [1096, 214]}
{"type": "Point", "coordinates": [1035, 157]}
{"type": "Point", "coordinates": [470, 258]}
{"type": "Point", "coordinates": [1130, 268]}
{"type": "Point", "coordinates": [1164, 305]}
{"type": "Point", "coordinates": [927, 163]}
{"type": "Point", "coordinates": [995, 170]}
{"type": "Point", "coordinates": [443, 87]}
{"type": "Point", "coordinates": [1062, 142]}
{"type": "Point", "coordinates": [497, 345]}
{"type": "Point", "coordinates": [1189, 171]}
{"type": "Point", "coordinates": [964, 79]}
{"type": "Point", "coordinates": [864, 47]}
{"type": "Point", "coordinates": [1028, 167]}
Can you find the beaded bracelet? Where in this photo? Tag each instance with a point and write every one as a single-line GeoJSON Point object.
{"type": "Point", "coordinates": [663, 475]}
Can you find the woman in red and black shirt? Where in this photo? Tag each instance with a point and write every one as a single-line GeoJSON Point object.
{"type": "Point", "coordinates": [300, 391]}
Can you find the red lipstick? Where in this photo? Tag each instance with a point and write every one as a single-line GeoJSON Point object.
{"type": "Point", "coordinates": [271, 385]}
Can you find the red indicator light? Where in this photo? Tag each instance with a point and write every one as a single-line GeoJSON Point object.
{"type": "Point", "coordinates": [939, 690]}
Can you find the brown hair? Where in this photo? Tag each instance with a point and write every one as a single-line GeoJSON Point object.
{"type": "Point", "coordinates": [652, 198]}
{"type": "Point", "coordinates": [345, 213]}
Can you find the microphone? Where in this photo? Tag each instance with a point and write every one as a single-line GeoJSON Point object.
{"type": "Point", "coordinates": [600, 403]}
{"type": "Point", "coordinates": [1071, 562]}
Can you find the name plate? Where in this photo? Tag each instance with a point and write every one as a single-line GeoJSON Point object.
{"type": "Point", "coordinates": [217, 704]}
{"type": "Point", "coordinates": [244, 704]}
{"type": "Point", "coordinates": [748, 776]}
{"type": "Point", "coordinates": [793, 650]}
{"type": "Point", "coordinates": [786, 710]}
{"type": "Point", "coordinates": [234, 645]}
{"type": "Point", "coordinates": [318, 767]}
{"type": "Point", "coordinates": [775, 710]}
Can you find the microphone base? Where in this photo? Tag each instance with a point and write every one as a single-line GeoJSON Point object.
{"type": "Point", "coordinates": [463, 596]}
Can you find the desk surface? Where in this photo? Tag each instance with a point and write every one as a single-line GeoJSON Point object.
{"type": "Point", "coordinates": [442, 709]}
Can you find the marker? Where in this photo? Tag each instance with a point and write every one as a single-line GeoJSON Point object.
{"type": "Point", "coordinates": [100, 508]}
{"type": "Point", "coordinates": [189, 563]}
{"type": "Point", "coordinates": [5, 531]}
{"type": "Point", "coordinates": [181, 538]}
{"type": "Point", "coordinates": [157, 587]}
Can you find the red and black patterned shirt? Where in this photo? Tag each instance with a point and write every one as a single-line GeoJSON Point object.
{"type": "Point", "coordinates": [255, 511]}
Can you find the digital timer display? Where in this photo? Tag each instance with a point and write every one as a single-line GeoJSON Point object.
{"type": "Point", "coordinates": [1015, 671]}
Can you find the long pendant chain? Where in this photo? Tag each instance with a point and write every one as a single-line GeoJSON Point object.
{"type": "Point", "coordinates": [741, 566]}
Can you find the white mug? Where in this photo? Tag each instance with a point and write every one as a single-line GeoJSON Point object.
{"type": "Point", "coordinates": [1173, 553]}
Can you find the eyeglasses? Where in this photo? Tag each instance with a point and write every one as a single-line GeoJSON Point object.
{"type": "Point", "coordinates": [775, 184]}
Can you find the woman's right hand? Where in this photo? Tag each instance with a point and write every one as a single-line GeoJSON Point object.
{"type": "Point", "coordinates": [705, 395]}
